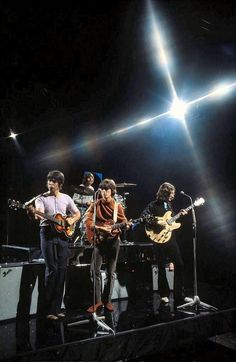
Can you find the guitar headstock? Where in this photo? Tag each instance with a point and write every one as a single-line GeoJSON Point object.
{"type": "Point", "coordinates": [15, 205]}
{"type": "Point", "coordinates": [199, 201]}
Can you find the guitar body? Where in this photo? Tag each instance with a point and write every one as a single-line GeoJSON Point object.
{"type": "Point", "coordinates": [101, 233]}
{"type": "Point", "coordinates": [58, 221]}
{"type": "Point", "coordinates": [162, 231]}
{"type": "Point", "coordinates": [62, 226]}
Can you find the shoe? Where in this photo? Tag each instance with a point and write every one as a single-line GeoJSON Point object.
{"type": "Point", "coordinates": [165, 299]}
{"type": "Point", "coordinates": [51, 317]}
{"type": "Point", "coordinates": [94, 308]}
{"type": "Point", "coordinates": [109, 306]}
{"type": "Point", "coordinates": [188, 300]}
{"type": "Point", "coordinates": [61, 315]}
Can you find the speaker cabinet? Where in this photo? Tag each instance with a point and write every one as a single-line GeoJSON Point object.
{"type": "Point", "coordinates": [19, 289]}
{"type": "Point", "coordinates": [169, 275]}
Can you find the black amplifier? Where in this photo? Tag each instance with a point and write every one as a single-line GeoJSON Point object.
{"type": "Point", "coordinates": [15, 253]}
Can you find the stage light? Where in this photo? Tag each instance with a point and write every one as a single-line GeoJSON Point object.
{"type": "Point", "coordinates": [178, 109]}
{"type": "Point", "coordinates": [13, 134]}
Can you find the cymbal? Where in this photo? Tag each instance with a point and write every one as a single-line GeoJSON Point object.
{"type": "Point", "coordinates": [125, 184]}
{"type": "Point", "coordinates": [84, 190]}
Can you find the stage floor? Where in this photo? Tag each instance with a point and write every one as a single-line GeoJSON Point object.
{"type": "Point", "coordinates": [139, 327]}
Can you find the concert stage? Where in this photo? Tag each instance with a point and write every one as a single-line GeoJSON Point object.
{"type": "Point", "coordinates": [140, 324]}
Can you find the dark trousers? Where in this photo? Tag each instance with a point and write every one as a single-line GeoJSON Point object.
{"type": "Point", "coordinates": [55, 252]}
{"type": "Point", "coordinates": [108, 251]}
{"type": "Point", "coordinates": [170, 252]}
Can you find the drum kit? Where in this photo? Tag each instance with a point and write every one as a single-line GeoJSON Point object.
{"type": "Point", "coordinates": [120, 198]}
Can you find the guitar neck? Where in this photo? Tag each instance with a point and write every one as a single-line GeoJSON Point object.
{"type": "Point", "coordinates": [135, 221]}
{"type": "Point", "coordinates": [118, 226]}
{"type": "Point", "coordinates": [48, 217]}
{"type": "Point", "coordinates": [177, 216]}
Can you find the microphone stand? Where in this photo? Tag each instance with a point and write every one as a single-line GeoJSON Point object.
{"type": "Point", "coordinates": [80, 226]}
{"type": "Point", "coordinates": [95, 318]}
{"type": "Point", "coordinates": [35, 197]}
{"type": "Point", "coordinates": [196, 300]}
{"type": "Point", "coordinates": [125, 241]}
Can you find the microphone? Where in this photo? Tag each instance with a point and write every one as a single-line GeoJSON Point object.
{"type": "Point", "coordinates": [98, 193]}
{"type": "Point", "coordinates": [183, 193]}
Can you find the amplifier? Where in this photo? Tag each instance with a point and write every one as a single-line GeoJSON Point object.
{"type": "Point", "coordinates": [15, 253]}
{"type": "Point", "coordinates": [19, 288]}
{"type": "Point", "coordinates": [169, 275]}
{"type": "Point", "coordinates": [120, 291]}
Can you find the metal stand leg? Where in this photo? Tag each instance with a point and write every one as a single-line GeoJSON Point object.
{"type": "Point", "coordinates": [198, 305]}
{"type": "Point", "coordinates": [195, 302]}
{"type": "Point", "coordinates": [100, 323]}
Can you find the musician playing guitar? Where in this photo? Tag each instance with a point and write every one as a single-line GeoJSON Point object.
{"type": "Point", "coordinates": [167, 250]}
{"type": "Point", "coordinates": [54, 244]}
{"type": "Point", "coordinates": [106, 240]}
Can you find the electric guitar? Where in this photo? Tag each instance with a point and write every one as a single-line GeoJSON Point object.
{"type": "Point", "coordinates": [163, 226]}
{"type": "Point", "coordinates": [110, 229]}
{"type": "Point", "coordinates": [58, 220]}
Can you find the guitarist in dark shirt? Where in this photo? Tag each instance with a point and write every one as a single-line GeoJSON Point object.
{"type": "Point", "coordinates": [166, 250]}
{"type": "Point", "coordinates": [106, 240]}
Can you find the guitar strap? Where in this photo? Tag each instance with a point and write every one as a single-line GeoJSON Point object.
{"type": "Point", "coordinates": [115, 212]}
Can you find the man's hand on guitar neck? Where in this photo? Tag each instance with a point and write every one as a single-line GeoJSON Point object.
{"type": "Point", "coordinates": [72, 219]}
{"type": "Point", "coordinates": [128, 224]}
{"type": "Point", "coordinates": [32, 212]}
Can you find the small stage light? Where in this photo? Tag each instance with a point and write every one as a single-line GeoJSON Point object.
{"type": "Point", "coordinates": [13, 134]}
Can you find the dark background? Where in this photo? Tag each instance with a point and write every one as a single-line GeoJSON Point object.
{"type": "Point", "coordinates": [73, 73]}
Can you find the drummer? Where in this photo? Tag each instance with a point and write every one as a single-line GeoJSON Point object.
{"type": "Point", "coordinates": [83, 195]}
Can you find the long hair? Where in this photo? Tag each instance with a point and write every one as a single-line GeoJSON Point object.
{"type": "Point", "coordinates": [164, 191]}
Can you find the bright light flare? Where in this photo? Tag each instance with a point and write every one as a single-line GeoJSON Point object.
{"type": "Point", "coordinates": [178, 108]}
{"type": "Point", "coordinates": [220, 90]}
{"type": "Point", "coordinates": [13, 135]}
{"type": "Point", "coordinates": [161, 52]}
